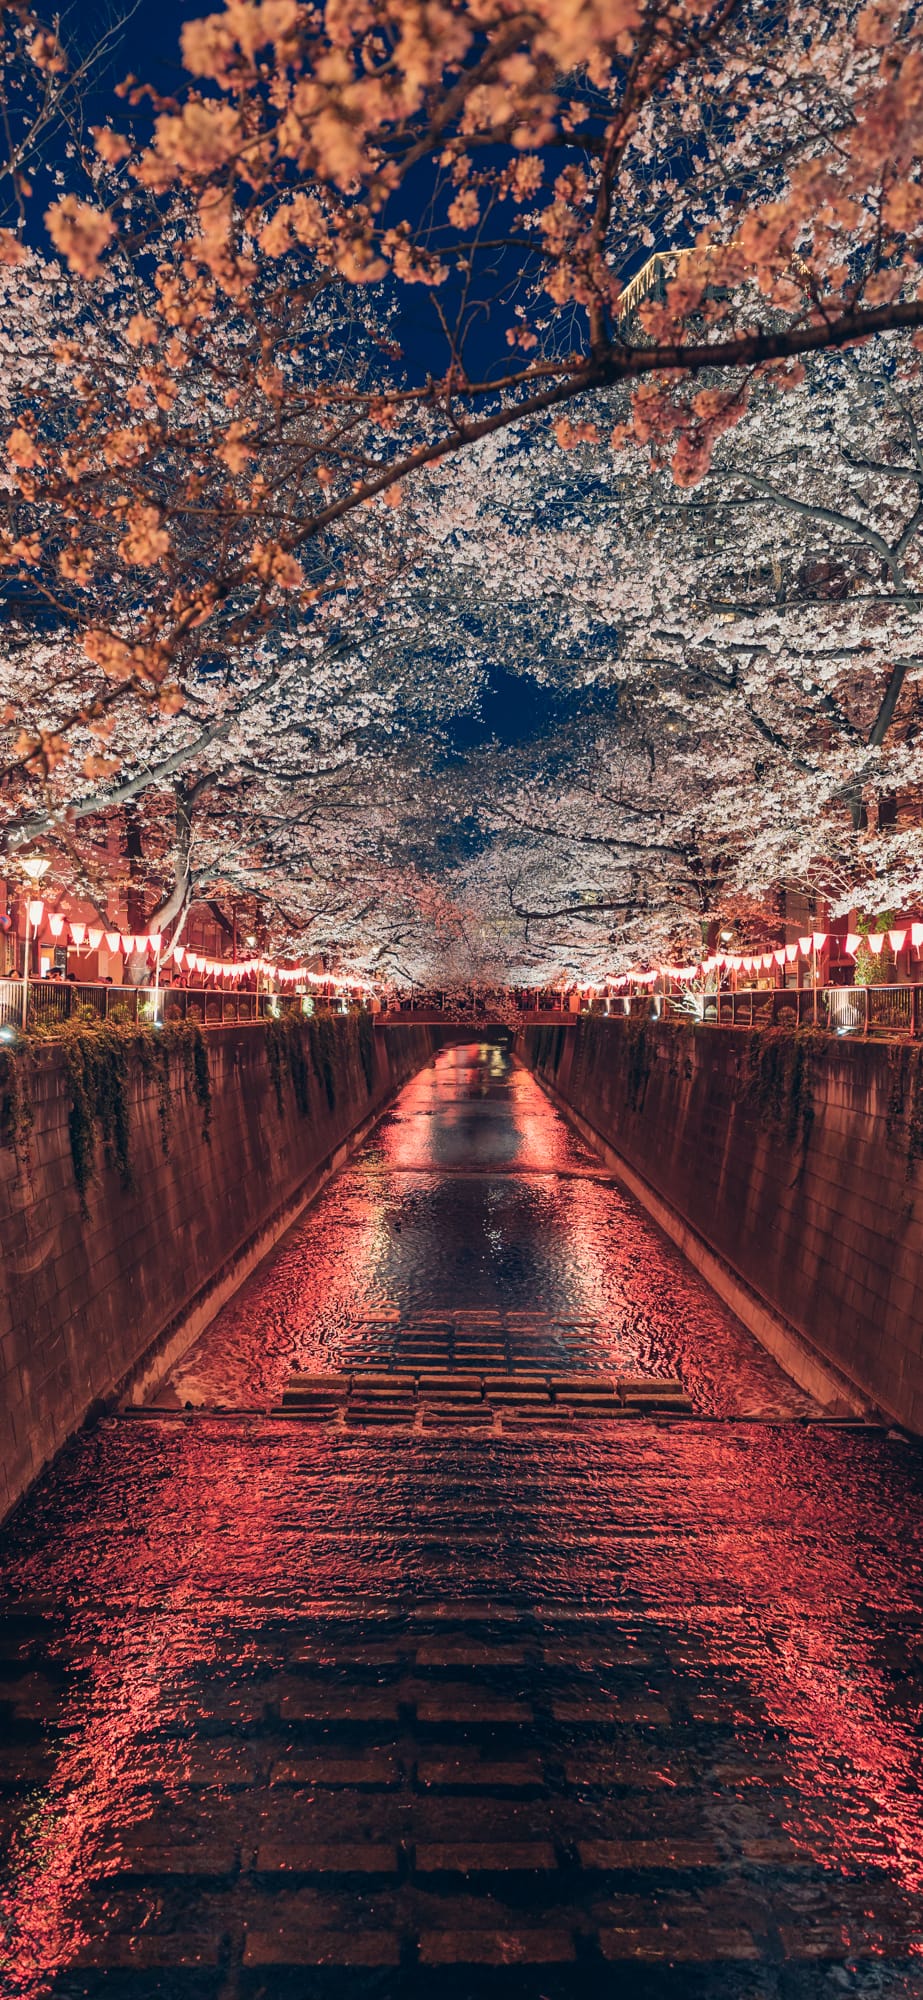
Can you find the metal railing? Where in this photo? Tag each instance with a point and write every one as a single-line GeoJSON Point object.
{"type": "Point", "coordinates": [52, 1001]}
{"type": "Point", "coordinates": [839, 1010]}
{"type": "Point", "coordinates": [866, 1011]}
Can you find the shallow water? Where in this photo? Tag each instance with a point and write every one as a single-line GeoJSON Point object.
{"type": "Point", "coordinates": [298, 1709]}
{"type": "Point", "coordinates": [474, 1194]}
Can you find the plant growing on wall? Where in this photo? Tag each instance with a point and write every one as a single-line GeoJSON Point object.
{"type": "Point", "coordinates": [874, 968]}
{"type": "Point", "coordinates": [98, 1060]}
{"type": "Point", "coordinates": [287, 1050]}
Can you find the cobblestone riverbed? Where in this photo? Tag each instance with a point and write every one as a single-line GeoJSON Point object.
{"type": "Point", "coordinates": [474, 1609]}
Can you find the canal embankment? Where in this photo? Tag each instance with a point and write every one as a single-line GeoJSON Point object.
{"type": "Point", "coordinates": [141, 1179]}
{"type": "Point", "coordinates": [786, 1166]}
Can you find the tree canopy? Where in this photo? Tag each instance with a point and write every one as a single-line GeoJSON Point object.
{"type": "Point", "coordinates": [405, 343]}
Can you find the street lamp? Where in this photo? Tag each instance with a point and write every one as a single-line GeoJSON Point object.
{"type": "Point", "coordinates": [35, 866]}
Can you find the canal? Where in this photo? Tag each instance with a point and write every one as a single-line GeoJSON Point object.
{"type": "Point", "coordinates": [474, 1604]}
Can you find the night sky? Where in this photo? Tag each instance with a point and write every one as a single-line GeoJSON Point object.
{"type": "Point", "coordinates": [145, 42]}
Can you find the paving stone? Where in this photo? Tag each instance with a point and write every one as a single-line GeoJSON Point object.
{"type": "Point", "coordinates": [484, 1857]}
{"type": "Point", "coordinates": [474, 1416]}
{"type": "Point", "coordinates": [316, 1414]}
{"type": "Point", "coordinates": [205, 1764]}
{"type": "Point", "coordinates": [519, 1379]}
{"type": "Point", "coordinates": [592, 1384]}
{"type": "Point", "coordinates": [594, 1406]}
{"type": "Point", "coordinates": [635, 1855]}
{"type": "Point", "coordinates": [205, 1859]}
{"type": "Point", "coordinates": [289, 1946]}
{"type": "Point", "coordinates": [666, 1946]}
{"type": "Point", "coordinates": [145, 1951]}
{"type": "Point", "coordinates": [295, 1857]}
{"type": "Point", "coordinates": [470, 1705]}
{"type": "Point", "coordinates": [590, 1712]}
{"type": "Point", "coordinates": [620, 1768]}
{"type": "Point", "coordinates": [594, 1656]}
{"type": "Point", "coordinates": [371, 1773]}
{"type": "Point", "coordinates": [468, 1653]}
{"type": "Point", "coordinates": [334, 1704]}
{"type": "Point", "coordinates": [774, 1850]}
{"type": "Point", "coordinates": [470, 1774]}
{"type": "Point", "coordinates": [829, 1941]}
{"type": "Point", "coordinates": [476, 1947]}
{"type": "Point", "coordinates": [543, 1415]}
{"type": "Point", "coordinates": [640, 1385]}
{"type": "Point", "coordinates": [523, 1398]}
{"type": "Point", "coordinates": [329, 1384]}
{"type": "Point", "coordinates": [379, 1416]}
{"type": "Point", "coordinates": [381, 1392]}
{"type": "Point", "coordinates": [335, 1653]}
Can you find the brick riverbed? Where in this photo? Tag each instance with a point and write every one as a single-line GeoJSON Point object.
{"type": "Point", "coordinates": [371, 1682]}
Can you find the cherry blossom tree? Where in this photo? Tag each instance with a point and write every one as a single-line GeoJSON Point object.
{"type": "Point", "coordinates": [321, 171]}
{"type": "Point", "coordinates": [749, 654]}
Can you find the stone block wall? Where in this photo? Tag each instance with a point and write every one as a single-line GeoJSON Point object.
{"type": "Point", "coordinates": [787, 1167]}
{"type": "Point", "coordinates": [96, 1292]}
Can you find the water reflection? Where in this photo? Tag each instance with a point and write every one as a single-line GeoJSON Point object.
{"type": "Point", "coordinates": [703, 1641]}
{"type": "Point", "coordinates": [473, 1192]}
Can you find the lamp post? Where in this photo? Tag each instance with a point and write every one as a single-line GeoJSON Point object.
{"type": "Point", "coordinates": [35, 866]}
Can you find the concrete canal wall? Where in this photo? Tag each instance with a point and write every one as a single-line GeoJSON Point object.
{"type": "Point", "coordinates": [787, 1168]}
{"type": "Point", "coordinates": [141, 1181]}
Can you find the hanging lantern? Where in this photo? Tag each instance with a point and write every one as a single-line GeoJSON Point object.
{"type": "Point", "coordinates": [95, 939]}
{"type": "Point", "coordinates": [56, 924]}
{"type": "Point", "coordinates": [113, 941]}
{"type": "Point", "coordinates": [853, 941]}
{"type": "Point", "coordinates": [36, 912]}
{"type": "Point", "coordinates": [806, 945]}
{"type": "Point", "coordinates": [897, 940]}
{"type": "Point", "coordinates": [78, 933]}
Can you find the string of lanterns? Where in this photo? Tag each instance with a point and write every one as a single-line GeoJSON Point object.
{"type": "Point", "coordinates": [781, 955]}
{"type": "Point", "coordinates": [130, 944]}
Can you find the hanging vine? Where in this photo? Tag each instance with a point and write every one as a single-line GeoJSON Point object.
{"type": "Point", "coordinates": [324, 1054]}
{"type": "Point", "coordinates": [905, 1101]}
{"type": "Point", "coordinates": [16, 1115]}
{"type": "Point", "coordinates": [366, 1032]}
{"type": "Point", "coordinates": [99, 1058]}
{"type": "Point", "coordinates": [779, 1080]}
{"type": "Point", "coordinates": [287, 1051]}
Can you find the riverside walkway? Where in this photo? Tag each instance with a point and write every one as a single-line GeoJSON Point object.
{"type": "Point", "coordinates": [474, 1608]}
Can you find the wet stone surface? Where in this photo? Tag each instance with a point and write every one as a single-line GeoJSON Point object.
{"type": "Point", "coordinates": [306, 1708]}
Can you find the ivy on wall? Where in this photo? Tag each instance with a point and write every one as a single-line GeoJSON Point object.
{"type": "Point", "coordinates": [324, 1044]}
{"type": "Point", "coordinates": [16, 1118]}
{"type": "Point", "coordinates": [779, 1085]}
{"type": "Point", "coordinates": [905, 1100]}
{"type": "Point", "coordinates": [367, 1049]}
{"type": "Point", "coordinates": [99, 1060]}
